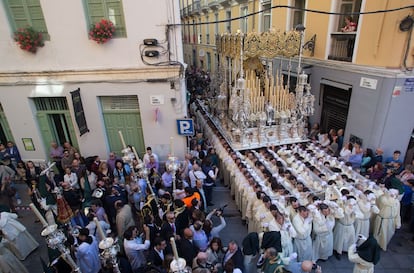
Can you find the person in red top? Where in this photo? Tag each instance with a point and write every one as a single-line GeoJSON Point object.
{"type": "Point", "coordinates": [350, 26]}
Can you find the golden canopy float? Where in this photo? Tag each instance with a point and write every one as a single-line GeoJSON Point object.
{"type": "Point", "coordinates": [253, 107]}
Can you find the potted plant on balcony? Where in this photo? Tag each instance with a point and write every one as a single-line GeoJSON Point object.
{"type": "Point", "coordinates": [28, 39]}
{"type": "Point", "coordinates": [102, 31]}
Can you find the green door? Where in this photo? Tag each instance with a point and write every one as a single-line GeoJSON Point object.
{"type": "Point", "coordinates": [5, 132]}
{"type": "Point", "coordinates": [54, 121]}
{"type": "Point", "coordinates": [122, 114]}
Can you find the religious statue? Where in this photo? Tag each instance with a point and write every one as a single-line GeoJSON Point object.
{"type": "Point", "coordinates": [270, 113]}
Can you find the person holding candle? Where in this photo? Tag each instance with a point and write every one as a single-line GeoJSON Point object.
{"type": "Point", "coordinates": [87, 254]}
{"type": "Point", "coordinates": [134, 248]}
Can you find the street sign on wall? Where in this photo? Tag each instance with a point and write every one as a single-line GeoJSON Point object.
{"type": "Point", "coordinates": [185, 127]}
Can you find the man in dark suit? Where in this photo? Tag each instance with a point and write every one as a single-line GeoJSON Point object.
{"type": "Point", "coordinates": [168, 228]}
{"type": "Point", "coordinates": [182, 217]}
{"type": "Point", "coordinates": [234, 253]}
{"type": "Point", "coordinates": [186, 248]}
{"type": "Point", "coordinates": [156, 254]}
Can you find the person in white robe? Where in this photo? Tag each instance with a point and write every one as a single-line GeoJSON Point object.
{"type": "Point", "coordinates": [366, 204]}
{"type": "Point", "coordinates": [344, 231]}
{"type": "Point", "coordinates": [302, 223]}
{"type": "Point", "coordinates": [261, 213]}
{"type": "Point", "coordinates": [252, 210]}
{"type": "Point", "coordinates": [287, 233]}
{"type": "Point", "coordinates": [9, 262]}
{"type": "Point", "coordinates": [19, 240]}
{"type": "Point", "coordinates": [388, 219]}
{"type": "Point", "coordinates": [323, 224]}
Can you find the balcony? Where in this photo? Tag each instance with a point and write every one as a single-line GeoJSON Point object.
{"type": "Point", "coordinates": [204, 6]}
{"type": "Point", "coordinates": [184, 12]}
{"type": "Point", "coordinates": [189, 9]}
{"type": "Point", "coordinates": [342, 46]}
{"type": "Point", "coordinates": [225, 3]}
{"type": "Point", "coordinates": [197, 7]}
{"type": "Point", "coordinates": [214, 4]}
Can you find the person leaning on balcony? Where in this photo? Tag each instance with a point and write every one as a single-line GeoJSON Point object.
{"type": "Point", "coordinates": [350, 26]}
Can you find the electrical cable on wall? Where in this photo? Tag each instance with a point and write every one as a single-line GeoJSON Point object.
{"type": "Point", "coordinates": [301, 9]}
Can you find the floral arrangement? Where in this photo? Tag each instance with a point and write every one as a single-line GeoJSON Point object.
{"type": "Point", "coordinates": [102, 31]}
{"type": "Point", "coordinates": [29, 39]}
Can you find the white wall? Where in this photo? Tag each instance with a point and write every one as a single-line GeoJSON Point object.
{"type": "Point", "coordinates": [69, 46]}
{"type": "Point", "coordinates": [156, 134]}
{"type": "Point", "coordinates": [70, 61]}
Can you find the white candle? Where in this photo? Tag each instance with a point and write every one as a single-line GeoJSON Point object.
{"type": "Point", "coordinates": [100, 230]}
{"type": "Point", "coordinates": [174, 248]}
{"type": "Point", "coordinates": [135, 153]}
{"type": "Point", "coordinates": [38, 214]}
{"type": "Point", "coordinates": [171, 146]}
{"type": "Point", "coordinates": [122, 139]}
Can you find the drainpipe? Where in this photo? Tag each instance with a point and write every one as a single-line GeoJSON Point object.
{"type": "Point", "coordinates": [379, 35]}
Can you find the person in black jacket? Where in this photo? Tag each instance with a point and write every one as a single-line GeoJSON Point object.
{"type": "Point", "coordinates": [234, 253]}
{"type": "Point", "coordinates": [157, 253]}
{"type": "Point", "coordinates": [186, 248]}
{"type": "Point", "coordinates": [182, 216]}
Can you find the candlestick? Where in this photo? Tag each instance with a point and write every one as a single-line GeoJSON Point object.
{"type": "Point", "coordinates": [171, 146]}
{"type": "Point", "coordinates": [122, 139]}
{"type": "Point", "coordinates": [135, 153]}
{"type": "Point", "coordinates": [174, 248]}
{"type": "Point", "coordinates": [100, 230]}
{"type": "Point", "coordinates": [38, 214]}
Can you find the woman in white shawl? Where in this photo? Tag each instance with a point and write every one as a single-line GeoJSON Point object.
{"type": "Point", "coordinates": [19, 241]}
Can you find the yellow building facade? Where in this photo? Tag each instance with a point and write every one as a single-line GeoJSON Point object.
{"type": "Point", "coordinates": [362, 79]}
{"type": "Point", "coordinates": [378, 40]}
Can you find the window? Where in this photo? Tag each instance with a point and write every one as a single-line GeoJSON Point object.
{"type": "Point", "coordinates": [207, 30]}
{"type": "Point", "coordinates": [200, 35]}
{"type": "Point", "coordinates": [216, 26]}
{"type": "Point", "coordinates": [228, 22]}
{"type": "Point", "coordinates": [243, 21]}
{"type": "Point", "coordinates": [24, 13]}
{"type": "Point", "coordinates": [208, 61]}
{"type": "Point", "coordinates": [108, 9]}
{"type": "Point", "coordinates": [347, 6]}
{"type": "Point", "coordinates": [266, 17]}
{"type": "Point", "coordinates": [298, 15]}
{"type": "Point", "coordinates": [193, 39]}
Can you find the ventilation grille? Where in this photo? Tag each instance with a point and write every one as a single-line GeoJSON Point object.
{"type": "Point", "coordinates": [120, 103]}
{"type": "Point", "coordinates": [51, 104]}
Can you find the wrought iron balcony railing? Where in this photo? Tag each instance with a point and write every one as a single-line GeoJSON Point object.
{"type": "Point", "coordinates": [342, 46]}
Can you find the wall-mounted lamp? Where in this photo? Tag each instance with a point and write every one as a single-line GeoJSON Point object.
{"type": "Point", "coordinates": [407, 23]}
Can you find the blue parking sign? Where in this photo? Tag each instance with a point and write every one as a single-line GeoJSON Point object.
{"type": "Point", "coordinates": [185, 127]}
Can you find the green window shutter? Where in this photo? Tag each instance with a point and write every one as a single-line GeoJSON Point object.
{"type": "Point", "coordinates": [115, 14]}
{"type": "Point", "coordinates": [96, 11]}
{"type": "Point", "coordinates": [24, 13]}
{"type": "Point", "coordinates": [108, 9]}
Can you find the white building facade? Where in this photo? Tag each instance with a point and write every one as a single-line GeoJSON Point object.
{"type": "Point", "coordinates": [123, 87]}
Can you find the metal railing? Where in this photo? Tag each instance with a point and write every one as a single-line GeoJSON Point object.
{"type": "Point", "coordinates": [342, 46]}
